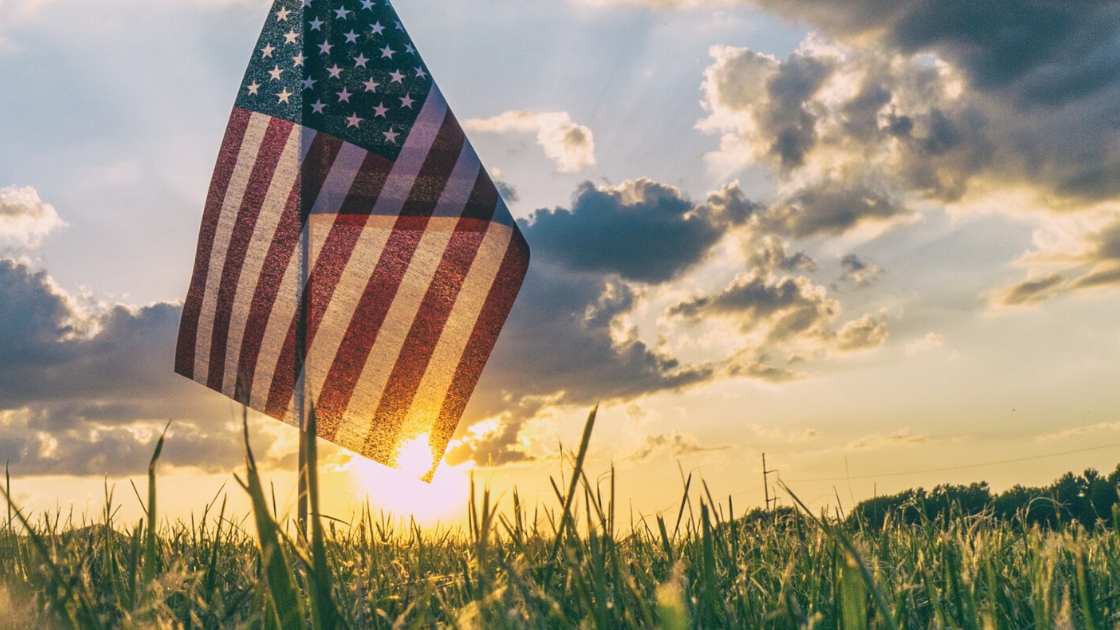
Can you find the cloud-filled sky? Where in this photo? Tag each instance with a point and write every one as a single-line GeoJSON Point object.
{"type": "Point", "coordinates": [865, 240]}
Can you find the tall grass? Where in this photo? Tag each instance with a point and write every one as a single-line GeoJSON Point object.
{"type": "Point", "coordinates": [568, 564]}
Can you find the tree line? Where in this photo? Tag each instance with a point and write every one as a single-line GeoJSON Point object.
{"type": "Point", "coordinates": [1090, 499]}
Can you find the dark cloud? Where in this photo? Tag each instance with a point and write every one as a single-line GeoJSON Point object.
{"type": "Point", "coordinates": [507, 191]}
{"type": "Point", "coordinates": [768, 253]}
{"type": "Point", "coordinates": [558, 347]}
{"type": "Point", "coordinates": [788, 306]}
{"type": "Point", "coordinates": [499, 447]}
{"type": "Point", "coordinates": [83, 388]}
{"type": "Point", "coordinates": [1045, 51]}
{"type": "Point", "coordinates": [859, 270]}
{"type": "Point", "coordinates": [829, 207]}
{"type": "Point", "coordinates": [642, 230]}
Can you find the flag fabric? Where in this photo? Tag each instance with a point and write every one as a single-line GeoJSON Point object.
{"type": "Point", "coordinates": [354, 254]}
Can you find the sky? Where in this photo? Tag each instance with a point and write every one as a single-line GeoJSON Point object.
{"type": "Point", "coordinates": [880, 245]}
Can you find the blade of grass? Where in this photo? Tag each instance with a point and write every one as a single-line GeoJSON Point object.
{"type": "Point", "coordinates": [151, 558]}
{"type": "Point", "coordinates": [282, 600]}
{"type": "Point", "coordinates": [570, 497]}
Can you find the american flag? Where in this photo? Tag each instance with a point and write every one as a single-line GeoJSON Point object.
{"type": "Point", "coordinates": [354, 253]}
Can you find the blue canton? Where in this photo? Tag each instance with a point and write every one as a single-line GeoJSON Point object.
{"type": "Point", "coordinates": [343, 67]}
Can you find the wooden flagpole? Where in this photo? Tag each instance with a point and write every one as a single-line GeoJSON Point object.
{"type": "Point", "coordinates": [302, 399]}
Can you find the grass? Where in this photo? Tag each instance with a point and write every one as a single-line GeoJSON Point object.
{"type": "Point", "coordinates": [568, 565]}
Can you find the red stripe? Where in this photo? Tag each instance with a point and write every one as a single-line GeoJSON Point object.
{"type": "Point", "coordinates": [324, 278]}
{"type": "Point", "coordinates": [438, 165]}
{"type": "Point", "coordinates": [227, 160]}
{"type": "Point", "coordinates": [422, 338]}
{"type": "Point", "coordinates": [493, 316]}
{"type": "Point", "coordinates": [379, 293]}
{"type": "Point", "coordinates": [268, 158]}
{"type": "Point", "coordinates": [313, 171]}
{"type": "Point", "coordinates": [483, 199]}
{"type": "Point", "coordinates": [366, 322]}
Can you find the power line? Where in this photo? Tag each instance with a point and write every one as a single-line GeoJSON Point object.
{"type": "Point", "coordinates": [964, 467]}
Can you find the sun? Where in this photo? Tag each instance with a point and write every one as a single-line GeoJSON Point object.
{"type": "Point", "coordinates": [402, 493]}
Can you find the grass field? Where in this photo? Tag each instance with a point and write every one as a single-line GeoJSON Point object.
{"type": "Point", "coordinates": [573, 564]}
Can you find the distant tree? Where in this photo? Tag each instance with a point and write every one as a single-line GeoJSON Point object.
{"type": "Point", "coordinates": [1087, 499]}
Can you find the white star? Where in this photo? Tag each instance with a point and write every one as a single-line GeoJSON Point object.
{"type": "Point", "coordinates": [420, 73]}
{"type": "Point", "coordinates": [387, 52]}
{"type": "Point", "coordinates": [351, 37]}
{"type": "Point", "coordinates": [267, 50]}
{"type": "Point", "coordinates": [309, 83]}
{"type": "Point", "coordinates": [344, 96]}
{"type": "Point", "coordinates": [298, 60]}
{"type": "Point", "coordinates": [325, 48]}
{"type": "Point", "coordinates": [380, 111]}
{"type": "Point", "coordinates": [376, 28]}
{"type": "Point", "coordinates": [282, 15]}
{"type": "Point", "coordinates": [291, 36]}
{"type": "Point", "coordinates": [335, 71]}
{"type": "Point", "coordinates": [367, 4]}
{"type": "Point", "coordinates": [276, 72]}
{"type": "Point", "coordinates": [409, 49]}
{"type": "Point", "coordinates": [307, 3]}
{"type": "Point", "coordinates": [397, 76]}
{"type": "Point", "coordinates": [318, 106]}
{"type": "Point", "coordinates": [400, 27]}
{"type": "Point", "coordinates": [353, 120]}
{"type": "Point", "coordinates": [371, 85]}
{"type": "Point", "coordinates": [391, 135]}
{"type": "Point", "coordinates": [283, 96]}
{"type": "Point", "coordinates": [407, 101]}
{"type": "Point", "coordinates": [340, 14]}
{"type": "Point", "coordinates": [254, 88]}
{"type": "Point", "coordinates": [360, 60]}
{"type": "Point", "coordinates": [316, 24]}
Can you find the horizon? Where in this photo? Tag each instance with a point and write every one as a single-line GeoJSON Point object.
{"type": "Point", "coordinates": [881, 248]}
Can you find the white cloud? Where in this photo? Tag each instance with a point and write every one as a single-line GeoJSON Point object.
{"type": "Point", "coordinates": [571, 145]}
{"type": "Point", "coordinates": [24, 217]}
{"type": "Point", "coordinates": [929, 342]}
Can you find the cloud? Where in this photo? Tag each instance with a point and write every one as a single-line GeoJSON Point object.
{"type": "Point", "coordinates": [572, 146]}
{"type": "Point", "coordinates": [641, 230]}
{"type": "Point", "coordinates": [864, 333]}
{"type": "Point", "coordinates": [676, 444]}
{"type": "Point", "coordinates": [859, 270]}
{"type": "Point", "coordinates": [505, 189]}
{"type": "Point", "coordinates": [24, 218]}
{"type": "Point", "coordinates": [921, 98]}
{"type": "Point", "coordinates": [830, 208]}
{"type": "Point", "coordinates": [891, 440]}
{"type": "Point", "coordinates": [787, 306]}
{"type": "Point", "coordinates": [1082, 430]}
{"type": "Point", "coordinates": [84, 386]}
{"type": "Point", "coordinates": [1029, 292]}
{"type": "Point", "coordinates": [929, 342]}
{"type": "Point", "coordinates": [492, 444]}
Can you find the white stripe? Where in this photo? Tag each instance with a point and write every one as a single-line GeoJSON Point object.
{"type": "Point", "coordinates": [275, 201]}
{"type": "Point", "coordinates": [338, 182]}
{"type": "Point", "coordinates": [344, 300]}
{"type": "Point", "coordinates": [341, 176]}
{"type": "Point", "coordinates": [231, 206]}
{"type": "Point", "coordinates": [460, 185]}
{"type": "Point", "coordinates": [434, 387]}
{"type": "Point", "coordinates": [415, 150]}
{"type": "Point", "coordinates": [394, 330]}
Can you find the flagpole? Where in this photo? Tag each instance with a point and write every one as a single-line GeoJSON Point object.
{"type": "Point", "coordinates": [301, 383]}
